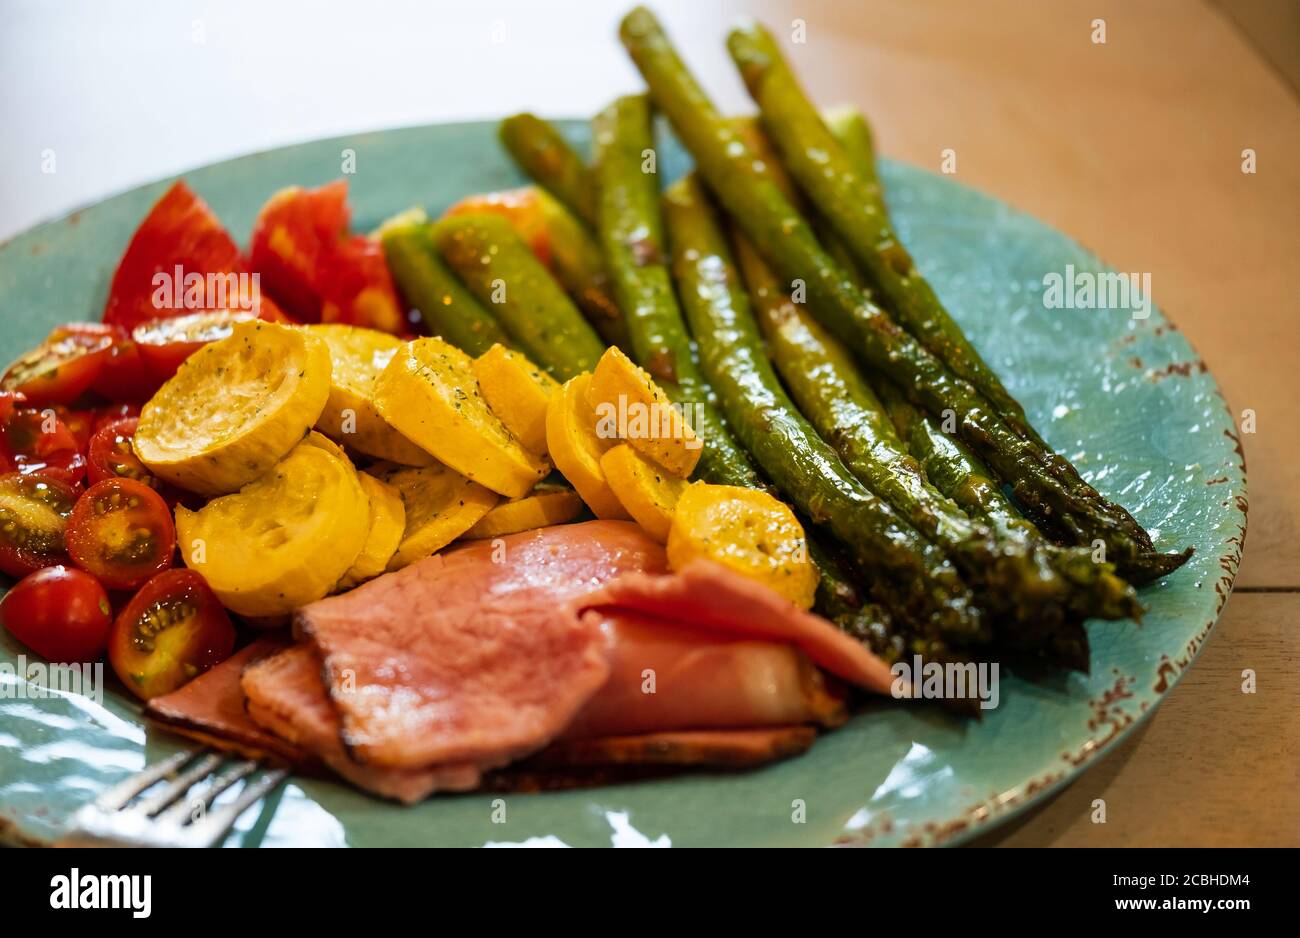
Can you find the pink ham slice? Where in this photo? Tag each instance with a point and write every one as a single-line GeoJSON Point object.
{"type": "Point", "coordinates": [212, 706]}
{"type": "Point", "coordinates": [665, 675]}
{"type": "Point", "coordinates": [707, 595]}
{"type": "Point", "coordinates": [475, 655]}
{"type": "Point", "coordinates": [285, 694]}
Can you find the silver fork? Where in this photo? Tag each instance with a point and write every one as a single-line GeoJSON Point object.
{"type": "Point", "coordinates": [132, 813]}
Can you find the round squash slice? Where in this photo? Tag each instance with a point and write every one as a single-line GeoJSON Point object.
{"type": "Point", "coordinates": [350, 417]}
{"type": "Point", "coordinates": [429, 393]}
{"type": "Point", "coordinates": [387, 525]}
{"type": "Point", "coordinates": [517, 391]}
{"type": "Point", "coordinates": [547, 505]}
{"type": "Point", "coordinates": [749, 531]}
{"type": "Point", "coordinates": [284, 540]}
{"type": "Point", "coordinates": [576, 449]}
{"type": "Point", "coordinates": [441, 505]}
{"type": "Point", "coordinates": [647, 490]}
{"type": "Point", "coordinates": [235, 408]}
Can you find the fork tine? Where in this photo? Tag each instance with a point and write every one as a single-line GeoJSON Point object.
{"type": "Point", "coordinates": [211, 830]}
{"type": "Point", "coordinates": [121, 793]}
{"type": "Point", "coordinates": [179, 813]}
{"type": "Point", "coordinates": [179, 785]}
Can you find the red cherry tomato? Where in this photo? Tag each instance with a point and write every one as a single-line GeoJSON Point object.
{"type": "Point", "coordinates": [34, 511]}
{"type": "Point", "coordinates": [122, 377]}
{"type": "Point", "coordinates": [121, 530]}
{"type": "Point", "coordinates": [39, 441]}
{"type": "Point", "coordinates": [60, 369]}
{"type": "Point", "coordinates": [165, 343]}
{"type": "Point", "coordinates": [80, 423]}
{"type": "Point", "coordinates": [60, 613]}
{"type": "Point", "coordinates": [113, 413]}
{"type": "Point", "coordinates": [111, 457]}
{"type": "Point", "coordinates": [291, 238]}
{"type": "Point", "coordinates": [171, 632]}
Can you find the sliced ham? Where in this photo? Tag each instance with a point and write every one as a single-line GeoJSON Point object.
{"type": "Point", "coordinates": [707, 595]}
{"type": "Point", "coordinates": [212, 706]}
{"type": "Point", "coordinates": [665, 675]}
{"type": "Point", "coordinates": [475, 654]}
{"type": "Point", "coordinates": [285, 694]}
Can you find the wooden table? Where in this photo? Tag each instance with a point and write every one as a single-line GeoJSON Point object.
{"type": "Point", "coordinates": [1132, 146]}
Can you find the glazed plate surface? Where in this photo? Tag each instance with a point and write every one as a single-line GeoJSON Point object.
{"type": "Point", "coordinates": [1127, 399]}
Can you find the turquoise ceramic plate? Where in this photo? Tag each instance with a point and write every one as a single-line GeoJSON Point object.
{"type": "Point", "coordinates": [1126, 399]}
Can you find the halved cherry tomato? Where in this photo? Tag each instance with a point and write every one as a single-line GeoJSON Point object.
{"type": "Point", "coordinates": [80, 423]}
{"type": "Point", "coordinates": [60, 613]}
{"type": "Point", "coordinates": [39, 441]}
{"type": "Point", "coordinates": [165, 343]}
{"type": "Point", "coordinates": [60, 369]}
{"type": "Point", "coordinates": [180, 236]}
{"type": "Point", "coordinates": [34, 510]}
{"type": "Point", "coordinates": [9, 402]}
{"type": "Point", "coordinates": [291, 237]}
{"type": "Point", "coordinates": [113, 413]}
{"type": "Point", "coordinates": [111, 456]}
{"type": "Point", "coordinates": [357, 288]}
{"type": "Point", "coordinates": [171, 632]}
{"type": "Point", "coordinates": [520, 207]}
{"type": "Point", "coordinates": [123, 377]}
{"type": "Point", "coordinates": [121, 530]}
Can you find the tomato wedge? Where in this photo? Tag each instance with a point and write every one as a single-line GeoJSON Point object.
{"type": "Point", "coordinates": [291, 237]}
{"type": "Point", "coordinates": [39, 441]}
{"type": "Point", "coordinates": [121, 531]}
{"type": "Point", "coordinates": [357, 288]}
{"type": "Point", "coordinates": [60, 613]}
{"type": "Point", "coordinates": [171, 632]}
{"type": "Point", "coordinates": [165, 343]}
{"type": "Point", "coordinates": [60, 369]}
{"type": "Point", "coordinates": [180, 237]}
{"type": "Point", "coordinates": [520, 207]}
{"type": "Point", "coordinates": [34, 510]}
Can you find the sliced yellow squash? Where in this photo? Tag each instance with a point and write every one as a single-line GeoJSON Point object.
{"type": "Point", "coordinates": [350, 417]}
{"type": "Point", "coordinates": [235, 408]}
{"type": "Point", "coordinates": [517, 391]}
{"type": "Point", "coordinates": [645, 489]}
{"type": "Point", "coordinates": [548, 504]}
{"type": "Point", "coordinates": [747, 530]}
{"type": "Point", "coordinates": [441, 505]}
{"type": "Point", "coordinates": [387, 526]}
{"type": "Point", "coordinates": [576, 450]}
{"type": "Point", "coordinates": [429, 392]}
{"type": "Point", "coordinates": [630, 406]}
{"type": "Point", "coordinates": [283, 540]}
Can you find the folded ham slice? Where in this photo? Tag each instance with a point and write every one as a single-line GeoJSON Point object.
{"type": "Point", "coordinates": [286, 695]}
{"type": "Point", "coordinates": [707, 595]}
{"type": "Point", "coordinates": [210, 708]}
{"type": "Point", "coordinates": [667, 675]}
